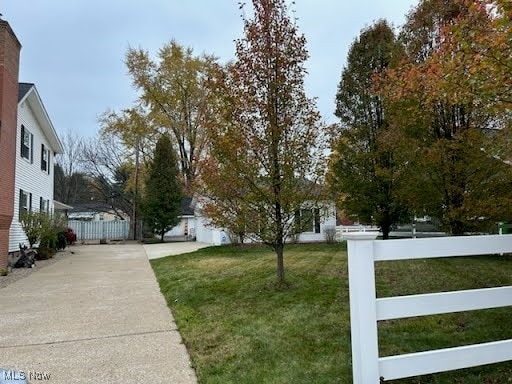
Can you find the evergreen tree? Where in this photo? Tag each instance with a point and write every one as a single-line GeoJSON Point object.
{"type": "Point", "coordinates": [163, 194]}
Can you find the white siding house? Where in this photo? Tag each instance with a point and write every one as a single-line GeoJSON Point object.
{"type": "Point", "coordinates": [36, 146]}
{"type": "Point", "coordinates": [315, 222]}
{"type": "Point", "coordinates": [319, 220]}
{"type": "Point", "coordinates": [186, 228]}
{"type": "Point", "coordinates": [206, 233]}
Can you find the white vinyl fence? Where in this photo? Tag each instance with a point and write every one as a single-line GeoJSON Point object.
{"type": "Point", "coordinates": [366, 309]}
{"type": "Point", "coordinates": [97, 230]}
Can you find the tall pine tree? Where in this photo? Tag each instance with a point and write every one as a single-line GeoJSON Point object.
{"type": "Point", "coordinates": [163, 194]}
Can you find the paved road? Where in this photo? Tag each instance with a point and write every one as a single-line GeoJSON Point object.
{"type": "Point", "coordinates": [95, 317]}
{"type": "Point", "coordinates": [156, 251]}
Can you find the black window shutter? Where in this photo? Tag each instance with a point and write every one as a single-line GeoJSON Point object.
{"type": "Point", "coordinates": [297, 221]}
{"type": "Point", "coordinates": [317, 220]}
{"type": "Point", "coordinates": [20, 208]}
{"type": "Point", "coordinates": [22, 141]}
{"type": "Point", "coordinates": [43, 165]}
{"type": "Point", "coordinates": [30, 202]}
{"type": "Point", "coordinates": [41, 204]}
{"type": "Point", "coordinates": [48, 160]}
{"type": "Point", "coordinates": [31, 148]}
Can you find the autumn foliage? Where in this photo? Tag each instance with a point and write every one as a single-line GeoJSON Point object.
{"type": "Point", "coordinates": [449, 112]}
{"type": "Point", "coordinates": [266, 147]}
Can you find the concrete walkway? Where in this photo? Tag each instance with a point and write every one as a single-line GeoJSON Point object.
{"type": "Point", "coordinates": [95, 317]}
{"type": "Point", "coordinates": [156, 251]}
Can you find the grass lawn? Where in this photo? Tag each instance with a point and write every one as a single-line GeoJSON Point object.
{"type": "Point", "coordinates": [240, 328]}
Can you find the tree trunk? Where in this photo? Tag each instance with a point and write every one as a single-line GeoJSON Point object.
{"type": "Point", "coordinates": [162, 236]}
{"type": "Point", "coordinates": [457, 227]}
{"type": "Point", "coordinates": [386, 222]}
{"type": "Point", "coordinates": [279, 242]}
{"type": "Point", "coordinates": [280, 262]}
{"type": "Point", "coordinates": [386, 228]}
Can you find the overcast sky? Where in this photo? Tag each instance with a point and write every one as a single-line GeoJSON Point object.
{"type": "Point", "coordinates": [74, 50]}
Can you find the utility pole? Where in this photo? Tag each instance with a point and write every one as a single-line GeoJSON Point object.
{"type": "Point", "coordinates": [135, 192]}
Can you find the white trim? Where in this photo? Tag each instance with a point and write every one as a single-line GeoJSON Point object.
{"type": "Point", "coordinates": [442, 360]}
{"type": "Point", "coordinates": [34, 100]}
{"type": "Point", "coordinates": [446, 302]}
{"type": "Point", "coordinates": [366, 309]}
{"type": "Point", "coordinates": [441, 247]}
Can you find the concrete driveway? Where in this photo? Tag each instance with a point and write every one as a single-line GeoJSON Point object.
{"type": "Point", "coordinates": [156, 251]}
{"type": "Point", "coordinates": [95, 317]}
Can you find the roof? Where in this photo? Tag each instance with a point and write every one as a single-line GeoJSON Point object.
{"type": "Point", "coordinates": [97, 206]}
{"type": "Point", "coordinates": [23, 89]}
{"type": "Point", "coordinates": [58, 206]}
{"type": "Point", "coordinates": [92, 207]}
{"type": "Point", "coordinates": [186, 207]}
{"type": "Point", "coordinates": [81, 215]}
{"type": "Point", "coordinates": [27, 92]}
{"type": "Point", "coordinates": [89, 210]}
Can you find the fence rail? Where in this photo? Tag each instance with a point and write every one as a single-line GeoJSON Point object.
{"type": "Point", "coordinates": [97, 230]}
{"type": "Point", "coordinates": [366, 310]}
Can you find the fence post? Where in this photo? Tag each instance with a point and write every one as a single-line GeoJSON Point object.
{"type": "Point", "coordinates": [363, 313]}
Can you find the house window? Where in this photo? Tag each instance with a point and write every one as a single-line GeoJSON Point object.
{"type": "Point", "coordinates": [44, 205]}
{"type": "Point", "coordinates": [308, 220]}
{"type": "Point", "coordinates": [27, 144]}
{"type": "Point", "coordinates": [25, 202]}
{"type": "Point", "coordinates": [45, 159]}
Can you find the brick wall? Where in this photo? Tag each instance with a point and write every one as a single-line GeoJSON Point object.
{"type": "Point", "coordinates": [9, 69]}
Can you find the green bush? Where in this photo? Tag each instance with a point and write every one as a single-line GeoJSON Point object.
{"type": "Point", "coordinates": [31, 224]}
{"type": "Point", "coordinates": [44, 252]}
{"type": "Point", "coordinates": [43, 228]}
{"type": "Point", "coordinates": [61, 240]}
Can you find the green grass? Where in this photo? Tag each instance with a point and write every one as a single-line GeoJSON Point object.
{"type": "Point", "coordinates": [239, 327]}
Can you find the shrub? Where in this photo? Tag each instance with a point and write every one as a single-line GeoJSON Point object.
{"type": "Point", "coordinates": [31, 223]}
{"type": "Point", "coordinates": [70, 236]}
{"type": "Point", "coordinates": [330, 235]}
{"type": "Point", "coordinates": [61, 240]}
{"type": "Point", "coordinates": [43, 228]}
{"type": "Point", "coordinates": [44, 252]}
{"type": "Point", "coordinates": [51, 225]}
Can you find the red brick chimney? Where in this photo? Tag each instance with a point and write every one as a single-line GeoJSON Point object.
{"type": "Point", "coordinates": [9, 69]}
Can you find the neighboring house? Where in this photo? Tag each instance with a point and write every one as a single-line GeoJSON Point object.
{"type": "Point", "coordinates": [187, 226]}
{"type": "Point", "coordinates": [9, 68]}
{"type": "Point", "coordinates": [95, 211]}
{"type": "Point", "coordinates": [61, 208]}
{"type": "Point", "coordinates": [314, 221]}
{"type": "Point", "coordinates": [37, 144]}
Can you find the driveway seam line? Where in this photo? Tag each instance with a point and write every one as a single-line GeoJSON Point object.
{"type": "Point", "coordinates": [88, 339]}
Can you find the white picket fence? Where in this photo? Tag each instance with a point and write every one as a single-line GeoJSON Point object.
{"type": "Point", "coordinates": [97, 230]}
{"type": "Point", "coordinates": [366, 310]}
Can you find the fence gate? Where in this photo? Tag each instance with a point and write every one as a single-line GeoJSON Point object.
{"type": "Point", "coordinates": [366, 309]}
{"type": "Point", "coordinates": [98, 230]}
